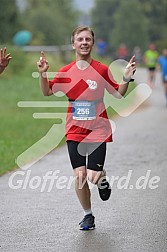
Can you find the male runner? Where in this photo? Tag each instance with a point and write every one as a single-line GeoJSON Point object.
{"type": "Point", "coordinates": [150, 59]}
{"type": "Point", "coordinates": [87, 126]}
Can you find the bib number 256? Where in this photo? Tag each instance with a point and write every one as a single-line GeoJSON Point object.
{"type": "Point", "coordinates": [83, 111]}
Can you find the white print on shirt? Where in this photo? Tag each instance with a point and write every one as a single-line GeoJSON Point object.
{"type": "Point", "coordinates": [92, 84]}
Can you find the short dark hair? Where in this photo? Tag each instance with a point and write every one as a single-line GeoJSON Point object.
{"type": "Point", "coordinates": [79, 29]}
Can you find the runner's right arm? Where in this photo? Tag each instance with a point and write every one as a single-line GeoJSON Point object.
{"type": "Point", "coordinates": [43, 66]}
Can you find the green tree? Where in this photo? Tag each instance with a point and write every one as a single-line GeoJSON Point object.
{"type": "Point", "coordinates": [50, 21]}
{"type": "Point", "coordinates": [102, 17]}
{"type": "Point", "coordinates": [134, 21]}
{"type": "Point", "coordinates": [9, 22]}
{"type": "Point", "coordinates": [131, 25]}
{"type": "Point", "coordinates": [156, 12]}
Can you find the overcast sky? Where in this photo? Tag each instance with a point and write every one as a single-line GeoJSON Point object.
{"type": "Point", "coordinates": [84, 5]}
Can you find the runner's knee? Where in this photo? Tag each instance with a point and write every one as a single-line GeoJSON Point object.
{"type": "Point", "coordinates": [80, 174]}
{"type": "Point", "coordinates": [93, 176]}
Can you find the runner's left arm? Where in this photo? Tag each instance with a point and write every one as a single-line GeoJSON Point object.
{"type": "Point", "coordinates": [127, 77]}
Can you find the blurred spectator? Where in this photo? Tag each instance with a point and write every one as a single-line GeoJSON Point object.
{"type": "Point", "coordinates": [123, 52]}
{"type": "Point", "coordinates": [150, 59]}
{"type": "Point", "coordinates": [101, 46]}
{"type": "Point", "coordinates": [138, 55]}
{"type": "Point", "coordinates": [4, 59]}
{"type": "Point", "coordinates": [163, 66]}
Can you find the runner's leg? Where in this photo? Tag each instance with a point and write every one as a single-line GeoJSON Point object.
{"type": "Point", "coordinates": [165, 90]}
{"type": "Point", "coordinates": [78, 161]}
{"type": "Point", "coordinates": [96, 159]}
{"type": "Point", "coordinates": [95, 171]}
{"type": "Point", "coordinates": [82, 188]}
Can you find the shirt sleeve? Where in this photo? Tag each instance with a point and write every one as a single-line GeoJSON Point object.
{"type": "Point", "coordinates": [111, 84]}
{"type": "Point", "coordinates": [59, 83]}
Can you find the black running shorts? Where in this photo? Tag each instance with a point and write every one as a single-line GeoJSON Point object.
{"type": "Point", "coordinates": [151, 68]}
{"type": "Point", "coordinates": [91, 155]}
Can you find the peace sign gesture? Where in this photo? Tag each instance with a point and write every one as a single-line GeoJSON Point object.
{"type": "Point", "coordinates": [42, 64]}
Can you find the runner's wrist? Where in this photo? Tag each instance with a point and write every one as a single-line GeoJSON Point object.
{"type": "Point", "coordinates": [127, 79]}
{"type": "Point", "coordinates": [43, 75]}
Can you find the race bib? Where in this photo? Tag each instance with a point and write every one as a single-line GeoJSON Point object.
{"type": "Point", "coordinates": [84, 110]}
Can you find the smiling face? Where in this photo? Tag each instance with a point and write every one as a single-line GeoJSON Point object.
{"type": "Point", "coordinates": [83, 43]}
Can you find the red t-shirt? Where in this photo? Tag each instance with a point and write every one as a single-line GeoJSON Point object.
{"type": "Point", "coordinates": [86, 85]}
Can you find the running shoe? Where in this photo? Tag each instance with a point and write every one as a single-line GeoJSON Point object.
{"type": "Point", "coordinates": [104, 189]}
{"type": "Point", "coordinates": [87, 223]}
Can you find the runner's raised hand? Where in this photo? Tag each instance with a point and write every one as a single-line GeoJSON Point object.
{"type": "Point", "coordinates": [42, 64]}
{"type": "Point", "coordinates": [4, 59]}
{"type": "Point", "coordinates": [130, 68]}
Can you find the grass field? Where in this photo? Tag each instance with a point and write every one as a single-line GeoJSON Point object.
{"type": "Point", "coordinates": [18, 129]}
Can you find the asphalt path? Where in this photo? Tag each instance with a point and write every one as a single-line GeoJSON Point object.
{"type": "Point", "coordinates": [40, 216]}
